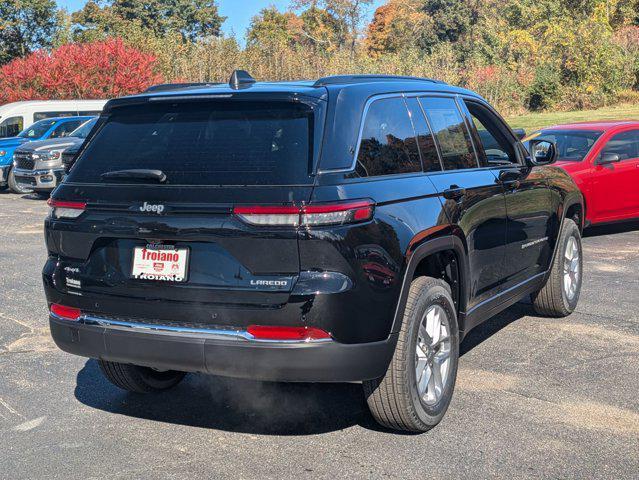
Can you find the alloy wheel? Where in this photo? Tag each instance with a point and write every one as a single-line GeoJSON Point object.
{"type": "Point", "coordinates": [432, 355]}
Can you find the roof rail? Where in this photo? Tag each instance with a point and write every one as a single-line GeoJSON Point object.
{"type": "Point", "coordinates": [337, 79]}
{"type": "Point", "coordinates": [163, 87]}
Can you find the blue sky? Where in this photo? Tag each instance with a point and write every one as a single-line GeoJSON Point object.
{"type": "Point", "coordinates": [238, 12]}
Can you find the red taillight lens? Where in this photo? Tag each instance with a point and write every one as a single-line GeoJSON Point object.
{"type": "Point", "coordinates": [69, 313]}
{"type": "Point", "coordinates": [62, 209]}
{"type": "Point", "coordinates": [309, 215]}
{"type": "Point", "coordinates": [264, 332]}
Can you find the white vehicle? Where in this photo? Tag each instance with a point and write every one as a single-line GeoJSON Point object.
{"type": "Point", "coordinates": [14, 117]}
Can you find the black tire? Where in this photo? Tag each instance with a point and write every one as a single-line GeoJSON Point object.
{"type": "Point", "coordinates": [43, 194]}
{"type": "Point", "coordinates": [552, 299]}
{"type": "Point", "coordinates": [15, 186]}
{"type": "Point", "coordinates": [393, 399]}
{"type": "Point", "coordinates": [135, 378]}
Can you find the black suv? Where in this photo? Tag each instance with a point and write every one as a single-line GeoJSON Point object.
{"type": "Point", "coordinates": [351, 229]}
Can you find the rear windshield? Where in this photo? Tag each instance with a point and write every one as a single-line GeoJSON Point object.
{"type": "Point", "coordinates": [205, 143]}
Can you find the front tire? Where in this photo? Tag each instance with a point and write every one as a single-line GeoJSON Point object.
{"type": "Point", "coordinates": [560, 294]}
{"type": "Point", "coordinates": [15, 186]}
{"type": "Point", "coordinates": [135, 378]}
{"type": "Point", "coordinates": [416, 390]}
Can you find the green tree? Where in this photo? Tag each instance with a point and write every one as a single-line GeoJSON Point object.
{"type": "Point", "coordinates": [271, 26]}
{"type": "Point", "coordinates": [25, 25]}
{"type": "Point", "coordinates": [192, 19]}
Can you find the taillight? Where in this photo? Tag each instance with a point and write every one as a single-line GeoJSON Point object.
{"type": "Point", "coordinates": [260, 215]}
{"type": "Point", "coordinates": [68, 313]}
{"type": "Point", "coordinates": [303, 334]}
{"type": "Point", "coordinates": [308, 215]}
{"type": "Point", "coordinates": [62, 209]}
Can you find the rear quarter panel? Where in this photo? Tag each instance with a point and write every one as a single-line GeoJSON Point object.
{"type": "Point", "coordinates": [374, 254]}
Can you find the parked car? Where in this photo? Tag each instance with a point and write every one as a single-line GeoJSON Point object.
{"type": "Point", "coordinates": [16, 116]}
{"type": "Point", "coordinates": [603, 159]}
{"type": "Point", "coordinates": [234, 230]}
{"type": "Point", "coordinates": [38, 165]}
{"type": "Point", "coordinates": [57, 127]}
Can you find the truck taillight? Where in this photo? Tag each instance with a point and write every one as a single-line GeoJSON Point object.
{"type": "Point", "coordinates": [62, 209]}
{"type": "Point", "coordinates": [308, 215]}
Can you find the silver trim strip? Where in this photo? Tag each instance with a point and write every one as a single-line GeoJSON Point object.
{"type": "Point", "coordinates": [210, 333]}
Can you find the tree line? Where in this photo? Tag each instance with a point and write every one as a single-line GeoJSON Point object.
{"type": "Point", "coordinates": [520, 54]}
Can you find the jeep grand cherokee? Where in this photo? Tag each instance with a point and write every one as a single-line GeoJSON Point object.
{"type": "Point", "coordinates": [349, 229]}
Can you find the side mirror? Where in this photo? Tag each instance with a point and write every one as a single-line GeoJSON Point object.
{"type": "Point", "coordinates": [542, 152]}
{"type": "Point", "coordinates": [520, 133]}
{"type": "Point", "coordinates": [608, 158]}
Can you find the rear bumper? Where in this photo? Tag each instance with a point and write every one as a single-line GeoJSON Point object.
{"type": "Point", "coordinates": [222, 352]}
{"type": "Point", "coordinates": [46, 179]}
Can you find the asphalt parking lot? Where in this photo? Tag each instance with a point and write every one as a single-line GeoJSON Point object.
{"type": "Point", "coordinates": [535, 397]}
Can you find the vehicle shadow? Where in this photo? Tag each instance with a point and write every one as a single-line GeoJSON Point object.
{"type": "Point", "coordinates": [611, 229]}
{"type": "Point", "coordinates": [493, 325]}
{"type": "Point", "coordinates": [236, 405]}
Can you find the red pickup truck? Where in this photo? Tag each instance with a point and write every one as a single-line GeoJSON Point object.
{"type": "Point", "coordinates": [603, 159]}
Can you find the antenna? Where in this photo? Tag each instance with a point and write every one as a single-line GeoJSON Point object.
{"type": "Point", "coordinates": [240, 79]}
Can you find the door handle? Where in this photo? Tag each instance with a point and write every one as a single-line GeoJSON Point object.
{"type": "Point", "coordinates": [510, 178]}
{"type": "Point", "coordinates": [454, 192]}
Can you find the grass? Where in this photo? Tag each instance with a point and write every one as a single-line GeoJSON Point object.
{"type": "Point", "coordinates": [534, 121]}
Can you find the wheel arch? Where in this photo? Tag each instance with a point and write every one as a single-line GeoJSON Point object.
{"type": "Point", "coordinates": [427, 259]}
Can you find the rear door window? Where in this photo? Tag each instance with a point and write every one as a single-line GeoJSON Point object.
{"type": "Point", "coordinates": [388, 145]}
{"type": "Point", "coordinates": [42, 115]}
{"type": "Point", "coordinates": [425, 140]}
{"type": "Point", "coordinates": [451, 132]}
{"type": "Point", "coordinates": [205, 143]}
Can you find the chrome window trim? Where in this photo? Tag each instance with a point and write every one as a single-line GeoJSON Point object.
{"type": "Point", "coordinates": [404, 95]}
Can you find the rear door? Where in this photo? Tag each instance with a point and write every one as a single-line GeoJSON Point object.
{"type": "Point", "coordinates": [215, 156]}
{"type": "Point", "coordinates": [472, 198]}
{"type": "Point", "coordinates": [615, 189]}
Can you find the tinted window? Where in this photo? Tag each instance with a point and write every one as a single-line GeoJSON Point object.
{"type": "Point", "coordinates": [388, 145]}
{"type": "Point", "coordinates": [64, 129]}
{"type": "Point", "coordinates": [10, 127]}
{"type": "Point", "coordinates": [625, 144]}
{"type": "Point", "coordinates": [83, 130]}
{"type": "Point", "coordinates": [234, 143]}
{"type": "Point", "coordinates": [451, 132]}
{"type": "Point", "coordinates": [572, 145]}
{"type": "Point", "coordinates": [37, 129]}
{"type": "Point", "coordinates": [495, 147]}
{"type": "Point", "coordinates": [42, 115]}
{"type": "Point", "coordinates": [425, 140]}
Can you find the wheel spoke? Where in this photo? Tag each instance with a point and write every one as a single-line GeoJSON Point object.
{"type": "Point", "coordinates": [424, 380]}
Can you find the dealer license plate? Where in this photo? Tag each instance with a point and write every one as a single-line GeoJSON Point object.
{"type": "Point", "coordinates": [163, 263]}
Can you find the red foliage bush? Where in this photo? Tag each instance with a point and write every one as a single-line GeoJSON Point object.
{"type": "Point", "coordinates": [103, 69]}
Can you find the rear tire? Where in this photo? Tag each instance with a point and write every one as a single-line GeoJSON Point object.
{"type": "Point", "coordinates": [560, 294]}
{"type": "Point", "coordinates": [135, 378]}
{"type": "Point", "coordinates": [15, 186]}
{"type": "Point", "coordinates": [398, 399]}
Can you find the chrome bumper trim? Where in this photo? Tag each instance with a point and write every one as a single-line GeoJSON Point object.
{"type": "Point", "coordinates": [209, 333]}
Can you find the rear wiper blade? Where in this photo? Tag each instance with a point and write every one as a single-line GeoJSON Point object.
{"type": "Point", "coordinates": [135, 174]}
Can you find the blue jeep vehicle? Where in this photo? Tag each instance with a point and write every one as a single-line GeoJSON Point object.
{"type": "Point", "coordinates": [56, 127]}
